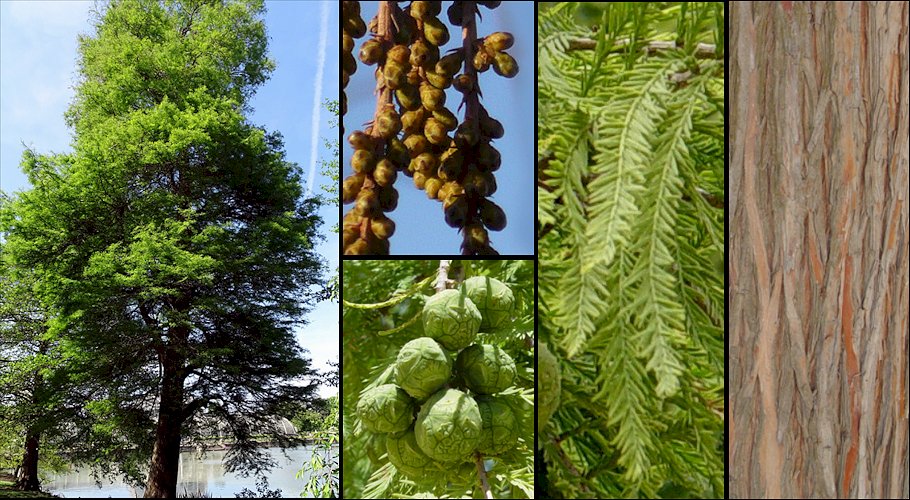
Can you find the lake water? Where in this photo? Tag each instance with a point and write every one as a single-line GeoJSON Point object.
{"type": "Point", "coordinates": [195, 475]}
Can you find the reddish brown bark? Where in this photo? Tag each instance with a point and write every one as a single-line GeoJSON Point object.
{"type": "Point", "coordinates": [818, 242]}
{"type": "Point", "coordinates": [27, 477]}
{"type": "Point", "coordinates": [28, 474]}
{"type": "Point", "coordinates": [162, 480]}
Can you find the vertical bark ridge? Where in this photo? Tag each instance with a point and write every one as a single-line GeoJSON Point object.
{"type": "Point", "coordinates": [819, 250]}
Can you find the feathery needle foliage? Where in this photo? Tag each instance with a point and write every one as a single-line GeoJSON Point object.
{"type": "Point", "coordinates": [630, 233]}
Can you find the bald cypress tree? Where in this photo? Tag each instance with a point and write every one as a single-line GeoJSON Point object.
{"type": "Point", "coordinates": [174, 245]}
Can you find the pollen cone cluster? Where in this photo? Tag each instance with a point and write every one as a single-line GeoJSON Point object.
{"type": "Point", "coordinates": [414, 130]}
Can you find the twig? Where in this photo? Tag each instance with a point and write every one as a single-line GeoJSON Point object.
{"type": "Point", "coordinates": [383, 333]}
{"type": "Point", "coordinates": [443, 275]}
{"type": "Point", "coordinates": [702, 50]}
{"type": "Point", "coordinates": [471, 98]}
{"type": "Point", "coordinates": [468, 36]}
{"type": "Point", "coordinates": [710, 198]}
{"type": "Point", "coordinates": [387, 28]}
{"type": "Point", "coordinates": [482, 474]}
{"type": "Point", "coordinates": [386, 33]}
{"type": "Point", "coordinates": [395, 299]}
{"type": "Point", "coordinates": [569, 465]}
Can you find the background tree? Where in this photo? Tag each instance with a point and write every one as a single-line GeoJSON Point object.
{"type": "Point", "coordinates": [819, 250]}
{"type": "Point", "coordinates": [176, 252]}
{"type": "Point", "coordinates": [24, 360]}
{"type": "Point", "coordinates": [331, 171]}
{"type": "Point", "coordinates": [36, 400]}
{"type": "Point", "coordinates": [330, 167]}
{"type": "Point", "coordinates": [631, 230]}
{"type": "Point", "coordinates": [374, 330]}
{"type": "Point", "coordinates": [310, 418]}
{"type": "Point", "coordinates": [324, 480]}
{"type": "Point", "coordinates": [321, 418]}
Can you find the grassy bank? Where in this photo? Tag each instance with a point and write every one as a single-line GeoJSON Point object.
{"type": "Point", "coordinates": [7, 490]}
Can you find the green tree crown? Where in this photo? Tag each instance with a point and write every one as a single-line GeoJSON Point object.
{"type": "Point", "coordinates": [175, 234]}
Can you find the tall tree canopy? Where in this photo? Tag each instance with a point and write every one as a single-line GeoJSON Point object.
{"type": "Point", "coordinates": [174, 244]}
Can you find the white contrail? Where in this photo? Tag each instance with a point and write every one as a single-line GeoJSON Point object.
{"type": "Point", "coordinates": [317, 93]}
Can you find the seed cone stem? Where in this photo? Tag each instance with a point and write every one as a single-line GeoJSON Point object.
{"type": "Point", "coordinates": [481, 471]}
{"type": "Point", "coordinates": [443, 275]}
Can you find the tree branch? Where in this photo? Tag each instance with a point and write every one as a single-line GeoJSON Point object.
{"type": "Point", "coordinates": [386, 33]}
{"type": "Point", "coordinates": [194, 406]}
{"type": "Point", "coordinates": [472, 105]}
{"type": "Point", "coordinates": [482, 474]}
{"type": "Point", "coordinates": [710, 198]}
{"type": "Point", "coordinates": [702, 50]}
{"type": "Point", "coordinates": [386, 30]}
{"type": "Point", "coordinates": [443, 275]}
{"type": "Point", "coordinates": [570, 466]}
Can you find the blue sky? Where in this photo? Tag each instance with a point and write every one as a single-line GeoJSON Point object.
{"type": "Point", "coordinates": [419, 225]}
{"type": "Point", "coordinates": [38, 42]}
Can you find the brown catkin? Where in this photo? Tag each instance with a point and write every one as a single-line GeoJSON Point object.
{"type": "Point", "coordinates": [414, 132]}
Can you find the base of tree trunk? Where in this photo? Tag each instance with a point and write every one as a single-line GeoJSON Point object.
{"type": "Point", "coordinates": [27, 477]}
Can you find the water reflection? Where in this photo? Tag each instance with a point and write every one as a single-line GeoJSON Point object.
{"type": "Point", "coordinates": [196, 475]}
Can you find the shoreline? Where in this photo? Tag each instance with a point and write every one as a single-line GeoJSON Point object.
{"type": "Point", "coordinates": [227, 446]}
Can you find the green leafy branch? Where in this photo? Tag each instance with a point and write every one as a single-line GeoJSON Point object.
{"type": "Point", "coordinates": [397, 298]}
{"type": "Point", "coordinates": [630, 225]}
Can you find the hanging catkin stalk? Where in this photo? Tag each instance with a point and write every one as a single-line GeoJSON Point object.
{"type": "Point", "coordinates": [475, 212]}
{"type": "Point", "coordinates": [366, 229]}
{"type": "Point", "coordinates": [414, 138]}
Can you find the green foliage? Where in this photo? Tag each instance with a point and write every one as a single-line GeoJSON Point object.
{"type": "Point", "coordinates": [330, 169]}
{"type": "Point", "coordinates": [12, 444]}
{"type": "Point", "coordinates": [382, 311]}
{"type": "Point", "coordinates": [35, 400]}
{"type": "Point", "coordinates": [307, 421]}
{"type": "Point", "coordinates": [323, 467]}
{"type": "Point", "coordinates": [175, 236]}
{"type": "Point", "coordinates": [630, 165]}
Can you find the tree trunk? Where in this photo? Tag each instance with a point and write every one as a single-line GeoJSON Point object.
{"type": "Point", "coordinates": [162, 480]}
{"type": "Point", "coordinates": [27, 478]}
{"type": "Point", "coordinates": [818, 242]}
